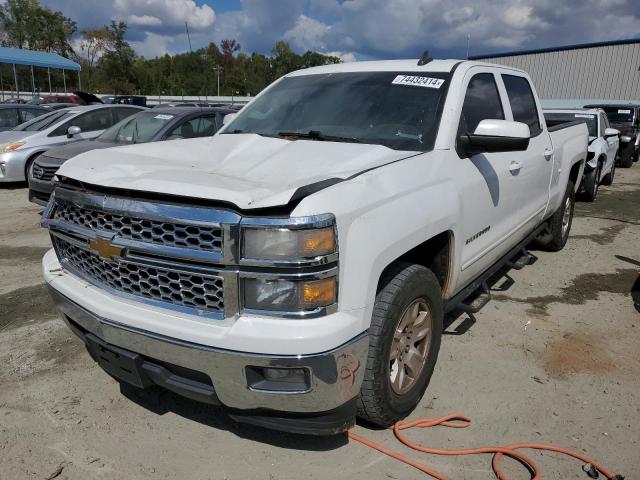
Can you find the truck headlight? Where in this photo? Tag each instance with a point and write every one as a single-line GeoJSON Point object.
{"type": "Point", "coordinates": [288, 295]}
{"type": "Point", "coordinates": [286, 244]}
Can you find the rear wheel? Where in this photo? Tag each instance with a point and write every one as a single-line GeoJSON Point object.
{"type": "Point", "coordinates": [626, 157]}
{"type": "Point", "coordinates": [404, 340]}
{"type": "Point", "coordinates": [608, 179]}
{"type": "Point", "coordinates": [559, 224]}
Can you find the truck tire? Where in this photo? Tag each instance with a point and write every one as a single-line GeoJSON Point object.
{"type": "Point", "coordinates": [626, 157]}
{"type": "Point", "coordinates": [404, 340]}
{"type": "Point", "coordinates": [608, 179]}
{"type": "Point", "coordinates": [592, 183]}
{"type": "Point", "coordinates": [559, 224]}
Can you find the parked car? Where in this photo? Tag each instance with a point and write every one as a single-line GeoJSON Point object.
{"type": "Point", "coordinates": [603, 146]}
{"type": "Point", "coordinates": [53, 99]}
{"type": "Point", "coordinates": [145, 126]}
{"type": "Point", "coordinates": [12, 115]}
{"type": "Point", "coordinates": [296, 266]}
{"type": "Point", "coordinates": [20, 147]}
{"type": "Point", "coordinates": [139, 100]}
{"type": "Point", "coordinates": [57, 106]}
{"type": "Point", "coordinates": [626, 118]}
{"type": "Point", "coordinates": [14, 100]}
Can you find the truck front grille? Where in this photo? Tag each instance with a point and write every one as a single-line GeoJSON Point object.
{"type": "Point", "coordinates": [164, 233]}
{"type": "Point", "coordinates": [197, 291]}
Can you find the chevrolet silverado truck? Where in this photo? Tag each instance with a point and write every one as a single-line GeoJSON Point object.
{"type": "Point", "coordinates": [296, 267]}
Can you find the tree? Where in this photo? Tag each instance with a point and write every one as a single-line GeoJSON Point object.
{"type": "Point", "coordinates": [95, 43]}
{"type": "Point", "coordinates": [26, 24]}
{"type": "Point", "coordinates": [116, 66]}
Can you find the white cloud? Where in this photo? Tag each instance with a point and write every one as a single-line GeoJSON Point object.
{"type": "Point", "coordinates": [153, 45]}
{"type": "Point", "coordinates": [171, 13]}
{"type": "Point", "coordinates": [307, 34]}
{"type": "Point", "coordinates": [346, 57]}
{"type": "Point", "coordinates": [144, 20]}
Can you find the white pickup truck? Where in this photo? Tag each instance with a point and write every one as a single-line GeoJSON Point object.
{"type": "Point", "coordinates": [296, 267]}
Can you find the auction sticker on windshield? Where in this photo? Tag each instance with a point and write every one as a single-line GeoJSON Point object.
{"type": "Point", "coordinates": [163, 117]}
{"type": "Point", "coordinates": [418, 81]}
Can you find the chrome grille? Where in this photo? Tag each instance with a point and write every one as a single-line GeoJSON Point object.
{"type": "Point", "coordinates": [201, 292]}
{"type": "Point", "coordinates": [208, 238]}
{"type": "Point", "coordinates": [47, 172]}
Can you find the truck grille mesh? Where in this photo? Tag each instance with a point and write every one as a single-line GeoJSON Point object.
{"type": "Point", "coordinates": [143, 230]}
{"type": "Point", "coordinates": [202, 292]}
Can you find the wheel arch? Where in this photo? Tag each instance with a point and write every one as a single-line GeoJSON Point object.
{"type": "Point", "coordinates": [435, 253]}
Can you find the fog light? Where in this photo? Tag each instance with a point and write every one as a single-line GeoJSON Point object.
{"type": "Point", "coordinates": [278, 379]}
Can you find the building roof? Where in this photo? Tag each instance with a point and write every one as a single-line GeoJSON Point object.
{"type": "Point", "coordinates": [37, 59]}
{"type": "Point", "coordinates": [556, 49]}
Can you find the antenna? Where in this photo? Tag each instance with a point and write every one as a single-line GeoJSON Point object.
{"type": "Point", "coordinates": [468, 41]}
{"type": "Point", "coordinates": [424, 59]}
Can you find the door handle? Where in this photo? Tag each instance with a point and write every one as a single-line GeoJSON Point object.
{"type": "Point", "coordinates": [548, 153]}
{"type": "Point", "coordinates": [514, 167]}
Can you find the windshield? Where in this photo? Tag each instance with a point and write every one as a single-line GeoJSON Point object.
{"type": "Point", "coordinates": [400, 111]}
{"type": "Point", "coordinates": [40, 123]}
{"type": "Point", "coordinates": [619, 114]}
{"type": "Point", "coordinates": [139, 128]}
{"type": "Point", "coordinates": [589, 118]}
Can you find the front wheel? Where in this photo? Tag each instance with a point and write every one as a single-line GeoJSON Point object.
{"type": "Point", "coordinates": [404, 340]}
{"type": "Point", "coordinates": [592, 183]}
{"type": "Point", "coordinates": [559, 224]}
{"type": "Point", "coordinates": [608, 179]}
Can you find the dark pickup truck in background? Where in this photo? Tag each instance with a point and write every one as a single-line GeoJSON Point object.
{"type": "Point", "coordinates": [626, 118]}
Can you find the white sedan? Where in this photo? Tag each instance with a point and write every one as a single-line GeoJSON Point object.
{"type": "Point", "coordinates": [20, 147]}
{"type": "Point", "coordinates": [603, 146]}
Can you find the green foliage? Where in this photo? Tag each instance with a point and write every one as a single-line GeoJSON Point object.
{"type": "Point", "coordinates": [26, 24]}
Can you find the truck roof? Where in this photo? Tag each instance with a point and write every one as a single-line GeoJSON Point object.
{"type": "Point", "coordinates": [411, 65]}
{"type": "Point", "coordinates": [590, 111]}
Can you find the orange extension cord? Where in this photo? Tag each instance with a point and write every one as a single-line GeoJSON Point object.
{"type": "Point", "coordinates": [460, 421]}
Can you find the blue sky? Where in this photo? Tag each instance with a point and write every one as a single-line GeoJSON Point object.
{"type": "Point", "coordinates": [362, 29]}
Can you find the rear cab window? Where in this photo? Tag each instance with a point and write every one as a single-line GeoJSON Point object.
{"type": "Point", "coordinates": [522, 101]}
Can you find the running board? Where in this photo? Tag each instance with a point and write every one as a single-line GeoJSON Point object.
{"type": "Point", "coordinates": [521, 261]}
{"type": "Point", "coordinates": [479, 301]}
{"type": "Point", "coordinates": [459, 300]}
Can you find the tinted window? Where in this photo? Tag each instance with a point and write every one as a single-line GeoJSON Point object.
{"type": "Point", "coordinates": [619, 114]}
{"type": "Point", "coordinates": [523, 104]}
{"type": "Point", "coordinates": [8, 117]}
{"type": "Point", "coordinates": [481, 102]}
{"type": "Point", "coordinates": [204, 126]}
{"type": "Point", "coordinates": [122, 113]}
{"type": "Point", "coordinates": [553, 119]}
{"type": "Point", "coordinates": [45, 121]}
{"type": "Point", "coordinates": [94, 120]}
{"type": "Point", "coordinates": [31, 113]}
{"type": "Point", "coordinates": [139, 128]}
{"type": "Point", "coordinates": [397, 110]}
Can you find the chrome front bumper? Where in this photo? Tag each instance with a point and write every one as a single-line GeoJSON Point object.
{"type": "Point", "coordinates": [335, 376]}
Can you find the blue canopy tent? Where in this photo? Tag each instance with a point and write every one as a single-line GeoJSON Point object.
{"type": "Point", "coordinates": [17, 56]}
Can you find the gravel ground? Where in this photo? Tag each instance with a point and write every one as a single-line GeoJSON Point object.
{"type": "Point", "coordinates": [555, 357]}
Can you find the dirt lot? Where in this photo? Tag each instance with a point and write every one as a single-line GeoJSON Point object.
{"type": "Point", "coordinates": [555, 357]}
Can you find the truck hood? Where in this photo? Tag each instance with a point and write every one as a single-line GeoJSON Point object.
{"type": "Point", "coordinates": [246, 170]}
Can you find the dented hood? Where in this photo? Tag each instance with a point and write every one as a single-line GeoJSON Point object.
{"type": "Point", "coordinates": [246, 170]}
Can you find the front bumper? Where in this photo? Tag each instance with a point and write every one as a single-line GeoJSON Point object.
{"type": "Point", "coordinates": [335, 376]}
{"type": "Point", "coordinates": [12, 166]}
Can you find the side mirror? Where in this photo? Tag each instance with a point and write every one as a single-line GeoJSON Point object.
{"type": "Point", "coordinates": [625, 139]}
{"type": "Point", "coordinates": [228, 118]}
{"type": "Point", "coordinates": [73, 131]}
{"type": "Point", "coordinates": [611, 132]}
{"type": "Point", "coordinates": [496, 136]}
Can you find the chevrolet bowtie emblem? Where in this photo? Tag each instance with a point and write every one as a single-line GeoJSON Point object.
{"type": "Point", "coordinates": [105, 249]}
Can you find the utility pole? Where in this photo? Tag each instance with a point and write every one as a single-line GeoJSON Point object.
{"type": "Point", "coordinates": [468, 42]}
{"type": "Point", "coordinates": [217, 68]}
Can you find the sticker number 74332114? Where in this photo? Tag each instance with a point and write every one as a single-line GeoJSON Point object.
{"type": "Point", "coordinates": [418, 81]}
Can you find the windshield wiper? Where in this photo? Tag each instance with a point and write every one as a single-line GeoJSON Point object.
{"type": "Point", "coordinates": [317, 135]}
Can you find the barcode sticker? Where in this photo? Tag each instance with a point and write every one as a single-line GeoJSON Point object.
{"type": "Point", "coordinates": [418, 81]}
{"type": "Point", "coordinates": [162, 116]}
{"type": "Point", "coordinates": [624, 111]}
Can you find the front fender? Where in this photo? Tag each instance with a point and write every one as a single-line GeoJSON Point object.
{"type": "Point", "coordinates": [381, 215]}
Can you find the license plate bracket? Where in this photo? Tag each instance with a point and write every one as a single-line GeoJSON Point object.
{"type": "Point", "coordinates": [120, 364]}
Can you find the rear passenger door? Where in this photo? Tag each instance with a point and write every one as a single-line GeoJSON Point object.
{"type": "Point", "coordinates": [531, 169]}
